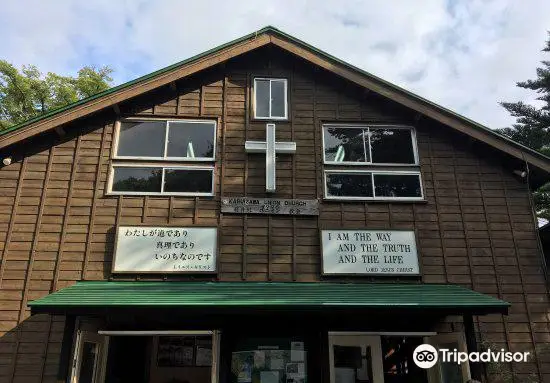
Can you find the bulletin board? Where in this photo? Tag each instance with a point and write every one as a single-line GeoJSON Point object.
{"type": "Point", "coordinates": [274, 361]}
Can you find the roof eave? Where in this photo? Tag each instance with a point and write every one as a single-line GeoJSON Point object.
{"type": "Point", "coordinates": [289, 43]}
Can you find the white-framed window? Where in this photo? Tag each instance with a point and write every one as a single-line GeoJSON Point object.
{"type": "Point", "coordinates": [373, 145]}
{"type": "Point", "coordinates": [179, 140]}
{"type": "Point", "coordinates": [371, 162]}
{"type": "Point", "coordinates": [270, 98]}
{"type": "Point", "coordinates": [163, 157]}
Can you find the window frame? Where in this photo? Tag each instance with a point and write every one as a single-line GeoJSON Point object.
{"type": "Point", "coordinates": [367, 127]}
{"type": "Point", "coordinates": [164, 167]}
{"type": "Point", "coordinates": [254, 103]}
{"type": "Point", "coordinates": [185, 163]}
{"type": "Point", "coordinates": [372, 172]}
{"type": "Point", "coordinates": [167, 122]}
{"type": "Point", "coordinates": [369, 167]}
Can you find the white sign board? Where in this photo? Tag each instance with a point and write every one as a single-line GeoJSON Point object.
{"type": "Point", "coordinates": [141, 249]}
{"type": "Point", "coordinates": [368, 252]}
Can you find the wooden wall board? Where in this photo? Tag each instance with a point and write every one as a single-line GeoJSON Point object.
{"type": "Point", "coordinates": [475, 227]}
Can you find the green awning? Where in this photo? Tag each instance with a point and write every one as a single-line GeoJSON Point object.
{"type": "Point", "coordinates": [270, 295]}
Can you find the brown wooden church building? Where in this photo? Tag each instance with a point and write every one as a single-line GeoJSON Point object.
{"type": "Point", "coordinates": [266, 213]}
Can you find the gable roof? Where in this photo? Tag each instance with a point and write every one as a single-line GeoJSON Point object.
{"type": "Point", "coordinates": [263, 37]}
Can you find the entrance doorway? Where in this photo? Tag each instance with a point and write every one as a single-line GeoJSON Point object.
{"type": "Point", "coordinates": [357, 357]}
{"type": "Point", "coordinates": [374, 358]}
{"type": "Point", "coordinates": [145, 357]}
{"type": "Point", "coordinates": [89, 358]}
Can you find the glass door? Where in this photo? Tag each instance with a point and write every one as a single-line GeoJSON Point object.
{"type": "Point", "coordinates": [89, 358]}
{"type": "Point", "coordinates": [355, 358]}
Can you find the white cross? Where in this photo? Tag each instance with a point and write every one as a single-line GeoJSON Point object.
{"type": "Point", "coordinates": [270, 147]}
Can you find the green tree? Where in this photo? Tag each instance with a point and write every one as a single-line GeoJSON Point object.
{"type": "Point", "coordinates": [28, 93]}
{"type": "Point", "coordinates": [532, 127]}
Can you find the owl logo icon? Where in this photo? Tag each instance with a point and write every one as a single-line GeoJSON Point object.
{"type": "Point", "coordinates": [425, 356]}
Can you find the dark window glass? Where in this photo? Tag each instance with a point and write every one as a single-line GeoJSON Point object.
{"type": "Point", "coordinates": [277, 98]}
{"type": "Point", "coordinates": [398, 360]}
{"type": "Point", "coordinates": [88, 362]}
{"type": "Point", "coordinates": [122, 369]}
{"type": "Point", "coordinates": [187, 181]}
{"type": "Point", "coordinates": [142, 139]}
{"type": "Point", "coordinates": [136, 179]}
{"type": "Point", "coordinates": [191, 139]}
{"type": "Point", "coordinates": [349, 185]}
{"type": "Point", "coordinates": [344, 145]}
{"type": "Point", "coordinates": [397, 185]}
{"type": "Point", "coordinates": [262, 98]}
{"type": "Point", "coordinates": [392, 146]}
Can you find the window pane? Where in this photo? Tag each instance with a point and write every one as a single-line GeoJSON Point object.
{"type": "Point", "coordinates": [398, 362]}
{"type": "Point", "coordinates": [137, 179]}
{"type": "Point", "coordinates": [187, 181]}
{"type": "Point", "coordinates": [349, 185]}
{"type": "Point", "coordinates": [397, 185]}
{"type": "Point", "coordinates": [351, 365]}
{"type": "Point", "coordinates": [392, 146]}
{"type": "Point", "coordinates": [278, 98]}
{"type": "Point", "coordinates": [142, 139]}
{"type": "Point", "coordinates": [261, 103]}
{"type": "Point", "coordinates": [191, 139]}
{"type": "Point", "coordinates": [344, 145]}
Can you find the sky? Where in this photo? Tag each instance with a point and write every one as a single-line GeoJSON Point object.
{"type": "Point", "coordinates": [466, 55]}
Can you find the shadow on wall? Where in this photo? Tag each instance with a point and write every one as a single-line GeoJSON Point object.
{"type": "Point", "coordinates": [31, 351]}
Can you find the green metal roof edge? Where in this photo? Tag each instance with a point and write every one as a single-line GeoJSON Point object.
{"type": "Point", "coordinates": [45, 301]}
{"type": "Point", "coordinates": [299, 42]}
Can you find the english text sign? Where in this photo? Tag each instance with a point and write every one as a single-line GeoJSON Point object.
{"type": "Point", "coordinates": [142, 249]}
{"type": "Point", "coordinates": [378, 252]}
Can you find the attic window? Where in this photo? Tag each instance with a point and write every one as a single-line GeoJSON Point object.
{"type": "Point", "coordinates": [270, 98]}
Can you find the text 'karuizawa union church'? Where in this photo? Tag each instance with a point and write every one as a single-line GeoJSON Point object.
{"type": "Point", "coordinates": [266, 213]}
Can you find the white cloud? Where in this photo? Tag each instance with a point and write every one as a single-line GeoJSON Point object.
{"type": "Point", "coordinates": [465, 55]}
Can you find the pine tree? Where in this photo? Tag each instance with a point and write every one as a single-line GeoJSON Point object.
{"type": "Point", "coordinates": [532, 127]}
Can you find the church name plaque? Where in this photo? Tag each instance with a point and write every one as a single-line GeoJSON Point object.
{"type": "Point", "coordinates": [248, 205]}
{"type": "Point", "coordinates": [369, 252]}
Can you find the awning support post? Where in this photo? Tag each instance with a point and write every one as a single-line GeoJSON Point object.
{"type": "Point", "coordinates": [471, 344]}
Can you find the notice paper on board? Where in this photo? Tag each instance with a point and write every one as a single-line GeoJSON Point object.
{"type": "Point", "coordinates": [295, 371]}
{"type": "Point", "coordinates": [269, 376]}
{"type": "Point", "coordinates": [259, 359]}
{"type": "Point", "coordinates": [297, 351]}
{"type": "Point", "coordinates": [277, 363]}
{"type": "Point", "coordinates": [245, 374]}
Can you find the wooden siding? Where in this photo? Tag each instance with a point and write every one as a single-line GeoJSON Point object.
{"type": "Point", "coordinates": [57, 225]}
